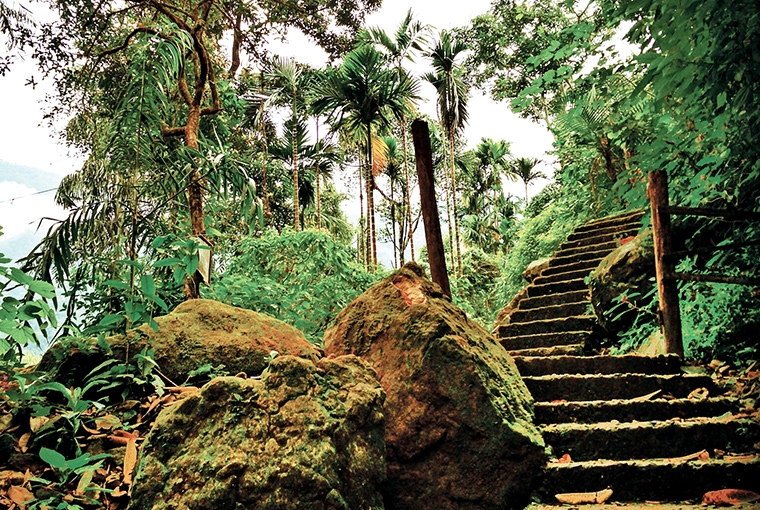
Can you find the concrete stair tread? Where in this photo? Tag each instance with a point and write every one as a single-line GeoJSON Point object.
{"type": "Point", "coordinates": [591, 244]}
{"type": "Point", "coordinates": [578, 257]}
{"type": "Point", "coordinates": [658, 461]}
{"type": "Point", "coordinates": [541, 340]}
{"type": "Point", "coordinates": [553, 325]}
{"type": "Point", "coordinates": [563, 287]}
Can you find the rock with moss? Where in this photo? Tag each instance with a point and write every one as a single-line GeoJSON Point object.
{"type": "Point", "coordinates": [198, 332]}
{"type": "Point", "coordinates": [459, 419]}
{"type": "Point", "coordinates": [306, 435]}
{"type": "Point", "coordinates": [628, 270]}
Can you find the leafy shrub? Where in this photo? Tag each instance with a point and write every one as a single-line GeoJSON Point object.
{"type": "Point", "coordinates": [302, 278]}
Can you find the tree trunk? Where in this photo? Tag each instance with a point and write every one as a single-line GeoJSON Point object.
{"type": "Point", "coordinates": [408, 192]}
{"type": "Point", "coordinates": [319, 199]}
{"type": "Point", "coordinates": [194, 197]}
{"type": "Point", "coordinates": [454, 202]}
{"type": "Point", "coordinates": [371, 197]}
{"type": "Point", "coordinates": [265, 158]}
{"type": "Point", "coordinates": [294, 142]}
{"type": "Point", "coordinates": [434, 240]}
{"type": "Point", "coordinates": [361, 245]}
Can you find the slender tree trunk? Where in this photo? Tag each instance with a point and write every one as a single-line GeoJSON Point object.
{"type": "Point", "coordinates": [371, 198]}
{"type": "Point", "coordinates": [361, 238]}
{"type": "Point", "coordinates": [265, 157]}
{"type": "Point", "coordinates": [319, 199]}
{"type": "Point", "coordinates": [194, 197]}
{"type": "Point", "coordinates": [408, 191]}
{"type": "Point", "coordinates": [296, 204]}
{"type": "Point", "coordinates": [454, 202]}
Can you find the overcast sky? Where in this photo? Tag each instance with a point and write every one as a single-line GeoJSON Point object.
{"type": "Point", "coordinates": [25, 140]}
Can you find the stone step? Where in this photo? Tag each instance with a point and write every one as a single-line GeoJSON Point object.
{"type": "Point", "coordinates": [562, 277]}
{"type": "Point", "coordinates": [595, 242]}
{"type": "Point", "coordinates": [578, 257]}
{"type": "Point", "coordinates": [559, 325]}
{"type": "Point", "coordinates": [555, 299]}
{"type": "Point", "coordinates": [557, 350]}
{"type": "Point", "coordinates": [630, 363]}
{"type": "Point", "coordinates": [649, 439]}
{"type": "Point", "coordinates": [589, 264]}
{"type": "Point", "coordinates": [550, 312]}
{"type": "Point", "coordinates": [618, 219]}
{"type": "Point", "coordinates": [631, 410]}
{"type": "Point", "coordinates": [566, 249]}
{"type": "Point", "coordinates": [613, 231]}
{"type": "Point", "coordinates": [575, 387]}
{"type": "Point", "coordinates": [556, 288]}
{"type": "Point", "coordinates": [651, 479]}
{"type": "Point", "coordinates": [544, 340]}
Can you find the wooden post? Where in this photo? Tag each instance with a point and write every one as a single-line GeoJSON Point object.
{"type": "Point", "coordinates": [667, 287]}
{"type": "Point", "coordinates": [424, 158]}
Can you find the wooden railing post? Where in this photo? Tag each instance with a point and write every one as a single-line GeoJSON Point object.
{"type": "Point", "coordinates": [433, 237]}
{"type": "Point", "coordinates": [667, 287]}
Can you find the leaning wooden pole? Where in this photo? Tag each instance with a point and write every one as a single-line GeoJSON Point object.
{"type": "Point", "coordinates": [667, 287]}
{"type": "Point", "coordinates": [424, 158]}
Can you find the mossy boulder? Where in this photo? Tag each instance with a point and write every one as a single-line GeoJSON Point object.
{"type": "Point", "coordinates": [459, 419]}
{"type": "Point", "coordinates": [306, 435]}
{"type": "Point", "coordinates": [198, 332]}
{"type": "Point", "coordinates": [627, 270]}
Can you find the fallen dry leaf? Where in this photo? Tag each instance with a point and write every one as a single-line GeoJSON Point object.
{"type": "Point", "coordinates": [23, 441]}
{"type": "Point", "coordinates": [37, 422]}
{"type": "Point", "coordinates": [19, 495]}
{"type": "Point", "coordinates": [644, 398]}
{"type": "Point", "coordinates": [730, 497]}
{"type": "Point", "coordinates": [565, 459]}
{"type": "Point", "coordinates": [130, 459]}
{"type": "Point", "coordinates": [694, 456]}
{"type": "Point", "coordinates": [738, 458]}
{"type": "Point", "coordinates": [578, 498]}
{"type": "Point", "coordinates": [84, 482]}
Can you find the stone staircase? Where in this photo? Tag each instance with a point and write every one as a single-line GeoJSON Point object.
{"type": "Point", "coordinates": [641, 426]}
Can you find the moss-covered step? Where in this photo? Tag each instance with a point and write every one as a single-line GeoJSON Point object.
{"type": "Point", "coordinates": [625, 410]}
{"type": "Point", "coordinates": [589, 264]}
{"type": "Point", "coordinates": [558, 325]}
{"type": "Point", "coordinates": [549, 312]}
{"type": "Point", "coordinates": [556, 288]}
{"type": "Point", "coordinates": [544, 340]}
{"type": "Point", "coordinates": [630, 363]}
{"type": "Point", "coordinates": [651, 479]}
{"type": "Point", "coordinates": [613, 231]}
{"type": "Point", "coordinates": [601, 244]}
{"type": "Point", "coordinates": [620, 219]}
{"type": "Point", "coordinates": [562, 277]}
{"type": "Point", "coordinates": [554, 299]}
{"type": "Point", "coordinates": [557, 350]}
{"type": "Point", "coordinates": [578, 257]}
{"type": "Point", "coordinates": [573, 387]}
{"type": "Point", "coordinates": [642, 440]}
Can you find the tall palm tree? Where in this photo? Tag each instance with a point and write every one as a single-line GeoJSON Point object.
{"type": "Point", "coordinates": [523, 168]}
{"type": "Point", "coordinates": [448, 81]}
{"type": "Point", "coordinates": [287, 89]}
{"type": "Point", "coordinates": [362, 96]}
{"type": "Point", "coordinates": [492, 165]}
{"type": "Point", "coordinates": [410, 37]}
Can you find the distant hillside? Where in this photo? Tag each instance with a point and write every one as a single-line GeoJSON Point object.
{"type": "Point", "coordinates": [31, 177]}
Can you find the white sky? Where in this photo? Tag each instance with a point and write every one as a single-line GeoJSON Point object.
{"type": "Point", "coordinates": [25, 140]}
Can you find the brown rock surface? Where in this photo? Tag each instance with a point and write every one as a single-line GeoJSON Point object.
{"type": "Point", "coordinates": [305, 436]}
{"type": "Point", "coordinates": [627, 270]}
{"type": "Point", "coordinates": [459, 431]}
{"type": "Point", "coordinates": [196, 333]}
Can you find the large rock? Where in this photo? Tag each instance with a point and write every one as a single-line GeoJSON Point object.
{"type": "Point", "coordinates": [198, 332]}
{"type": "Point", "coordinates": [306, 436]}
{"type": "Point", "coordinates": [627, 270]}
{"type": "Point", "coordinates": [535, 269]}
{"type": "Point", "coordinates": [459, 430]}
